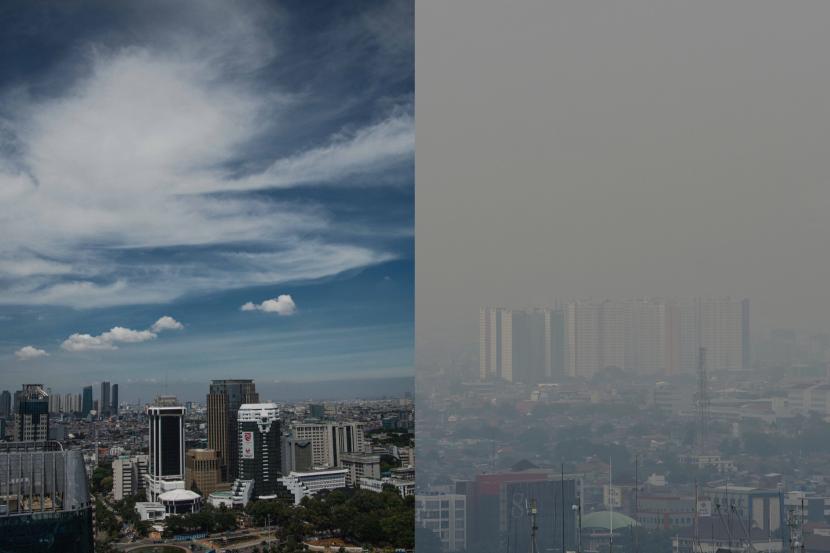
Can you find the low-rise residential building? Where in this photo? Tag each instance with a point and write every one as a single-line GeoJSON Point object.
{"type": "Point", "coordinates": [306, 484]}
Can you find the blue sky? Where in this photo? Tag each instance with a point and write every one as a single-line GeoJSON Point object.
{"type": "Point", "coordinates": [163, 165]}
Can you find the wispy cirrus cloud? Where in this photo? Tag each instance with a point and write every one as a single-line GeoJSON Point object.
{"type": "Point", "coordinates": [146, 151]}
{"type": "Point", "coordinates": [281, 305]}
{"type": "Point", "coordinates": [110, 339]}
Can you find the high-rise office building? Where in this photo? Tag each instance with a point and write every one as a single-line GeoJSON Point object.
{"type": "Point", "coordinates": [166, 465]}
{"type": "Point", "coordinates": [104, 403]}
{"type": "Point", "coordinates": [114, 404]}
{"type": "Point", "coordinates": [50, 512]}
{"type": "Point", "coordinates": [32, 417]}
{"type": "Point", "coordinates": [203, 470]}
{"type": "Point", "coordinates": [5, 404]}
{"type": "Point", "coordinates": [86, 405]}
{"type": "Point", "coordinates": [259, 448]}
{"type": "Point", "coordinates": [329, 440]}
{"type": "Point", "coordinates": [128, 474]}
{"type": "Point", "coordinates": [224, 399]}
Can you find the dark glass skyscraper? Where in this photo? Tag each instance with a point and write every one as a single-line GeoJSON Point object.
{"type": "Point", "coordinates": [223, 402]}
{"type": "Point", "coordinates": [86, 406]}
{"type": "Point", "coordinates": [166, 437]}
{"type": "Point", "coordinates": [5, 404]}
{"type": "Point", "coordinates": [105, 399]}
{"type": "Point", "coordinates": [114, 410]}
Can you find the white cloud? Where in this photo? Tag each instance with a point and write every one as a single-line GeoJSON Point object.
{"type": "Point", "coordinates": [366, 150]}
{"type": "Point", "coordinates": [127, 335]}
{"type": "Point", "coordinates": [124, 158]}
{"type": "Point", "coordinates": [86, 342]}
{"type": "Point", "coordinates": [166, 323]}
{"type": "Point", "coordinates": [282, 305]}
{"type": "Point", "coordinates": [30, 352]}
{"type": "Point", "coordinates": [119, 334]}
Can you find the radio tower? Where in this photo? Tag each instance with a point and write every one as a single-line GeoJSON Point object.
{"type": "Point", "coordinates": [703, 401]}
{"type": "Point", "coordinates": [795, 522]}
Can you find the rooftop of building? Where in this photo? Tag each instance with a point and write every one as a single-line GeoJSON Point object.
{"type": "Point", "coordinates": [179, 495]}
{"type": "Point", "coordinates": [606, 520]}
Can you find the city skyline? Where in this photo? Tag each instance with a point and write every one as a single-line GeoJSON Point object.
{"type": "Point", "coordinates": [231, 203]}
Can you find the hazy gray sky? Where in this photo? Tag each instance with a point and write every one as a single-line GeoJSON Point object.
{"type": "Point", "coordinates": [580, 149]}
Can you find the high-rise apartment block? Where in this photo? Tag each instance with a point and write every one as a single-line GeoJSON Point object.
{"type": "Point", "coordinates": [520, 345]}
{"type": "Point", "coordinates": [579, 338]}
{"type": "Point", "coordinates": [224, 399]}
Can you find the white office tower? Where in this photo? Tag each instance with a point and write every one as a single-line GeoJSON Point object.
{"type": "Point", "coordinates": [166, 466]}
{"type": "Point", "coordinates": [259, 448]}
{"type": "Point", "coordinates": [128, 475]}
{"type": "Point", "coordinates": [330, 440]}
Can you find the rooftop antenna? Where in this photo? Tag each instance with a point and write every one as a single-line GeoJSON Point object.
{"type": "Point", "coordinates": [794, 524]}
{"type": "Point", "coordinates": [492, 449]}
{"type": "Point", "coordinates": [611, 510]}
{"type": "Point", "coordinates": [697, 519]}
{"type": "Point", "coordinates": [578, 508]}
{"type": "Point", "coordinates": [636, 502]}
{"type": "Point", "coordinates": [562, 492]}
{"type": "Point", "coordinates": [703, 401]}
{"type": "Point", "coordinates": [532, 511]}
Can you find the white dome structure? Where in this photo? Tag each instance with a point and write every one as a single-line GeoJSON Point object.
{"type": "Point", "coordinates": [179, 502]}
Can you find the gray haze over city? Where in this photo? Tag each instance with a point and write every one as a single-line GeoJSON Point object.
{"type": "Point", "coordinates": [666, 164]}
{"type": "Point", "coordinates": [643, 149]}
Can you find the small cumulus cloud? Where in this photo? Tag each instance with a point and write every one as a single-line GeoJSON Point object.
{"type": "Point", "coordinates": [166, 323]}
{"type": "Point", "coordinates": [108, 340]}
{"type": "Point", "coordinates": [30, 352]}
{"type": "Point", "coordinates": [282, 305]}
{"type": "Point", "coordinates": [86, 342]}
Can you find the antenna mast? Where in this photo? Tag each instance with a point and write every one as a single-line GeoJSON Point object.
{"type": "Point", "coordinates": [636, 502]}
{"type": "Point", "coordinates": [562, 492]}
{"type": "Point", "coordinates": [531, 510]}
{"type": "Point", "coordinates": [611, 508]}
{"type": "Point", "coordinates": [703, 402]}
